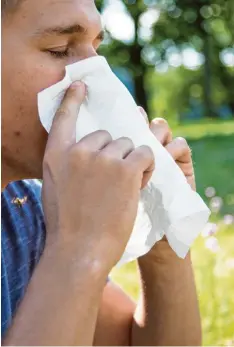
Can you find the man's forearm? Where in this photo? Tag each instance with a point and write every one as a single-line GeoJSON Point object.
{"type": "Point", "coordinates": [167, 313]}
{"type": "Point", "coordinates": [60, 306]}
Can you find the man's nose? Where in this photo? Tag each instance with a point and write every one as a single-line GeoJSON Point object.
{"type": "Point", "coordinates": [83, 51]}
{"type": "Point", "coordinates": [89, 52]}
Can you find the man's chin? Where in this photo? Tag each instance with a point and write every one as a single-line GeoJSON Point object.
{"type": "Point", "coordinates": [31, 173]}
{"type": "Point", "coordinates": [14, 170]}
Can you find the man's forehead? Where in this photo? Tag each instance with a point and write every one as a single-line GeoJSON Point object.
{"type": "Point", "coordinates": [54, 15]}
{"type": "Point", "coordinates": [54, 5]}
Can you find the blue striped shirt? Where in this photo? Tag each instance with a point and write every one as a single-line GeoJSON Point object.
{"type": "Point", "coordinates": [23, 238]}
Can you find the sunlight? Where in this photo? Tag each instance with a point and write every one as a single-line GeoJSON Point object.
{"type": "Point", "coordinates": [227, 57]}
{"type": "Point", "coordinates": [191, 59]}
{"type": "Point", "coordinates": [118, 22]}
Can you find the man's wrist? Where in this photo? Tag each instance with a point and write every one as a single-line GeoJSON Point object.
{"type": "Point", "coordinates": [163, 256]}
{"type": "Point", "coordinates": [160, 252]}
{"type": "Point", "coordinates": [75, 264]}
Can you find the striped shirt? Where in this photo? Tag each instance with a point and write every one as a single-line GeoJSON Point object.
{"type": "Point", "coordinates": [22, 238]}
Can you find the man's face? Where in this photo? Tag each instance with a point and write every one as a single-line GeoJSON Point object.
{"type": "Point", "coordinates": [38, 41]}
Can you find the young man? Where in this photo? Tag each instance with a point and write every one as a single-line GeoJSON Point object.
{"type": "Point", "coordinates": [54, 288]}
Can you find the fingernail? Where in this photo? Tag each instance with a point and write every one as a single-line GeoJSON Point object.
{"type": "Point", "coordinates": [80, 87]}
{"type": "Point", "coordinates": [77, 84]}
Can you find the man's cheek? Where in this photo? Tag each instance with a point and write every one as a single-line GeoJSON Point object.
{"type": "Point", "coordinates": [27, 81]}
{"type": "Point", "coordinates": [46, 76]}
{"type": "Point", "coordinates": [34, 85]}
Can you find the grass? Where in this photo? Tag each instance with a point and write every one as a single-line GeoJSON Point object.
{"type": "Point", "coordinates": [213, 155]}
{"type": "Point", "coordinates": [214, 274]}
{"type": "Point", "coordinates": [214, 166]}
{"type": "Point", "coordinates": [213, 150]}
{"type": "Point", "coordinates": [204, 129]}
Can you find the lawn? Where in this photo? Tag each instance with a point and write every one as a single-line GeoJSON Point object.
{"type": "Point", "coordinates": [213, 255]}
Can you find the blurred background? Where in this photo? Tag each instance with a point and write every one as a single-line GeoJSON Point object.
{"type": "Point", "coordinates": [177, 59]}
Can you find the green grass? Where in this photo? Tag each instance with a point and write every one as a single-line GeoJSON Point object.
{"type": "Point", "coordinates": [213, 152]}
{"type": "Point", "coordinates": [204, 129]}
{"type": "Point", "coordinates": [214, 273]}
{"type": "Point", "coordinates": [212, 144]}
{"type": "Point", "coordinates": [214, 166]}
{"type": "Point", "coordinates": [215, 282]}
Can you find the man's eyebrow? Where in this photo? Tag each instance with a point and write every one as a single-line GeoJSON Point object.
{"type": "Point", "coordinates": [68, 30]}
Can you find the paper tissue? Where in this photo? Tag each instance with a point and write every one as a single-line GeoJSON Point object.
{"type": "Point", "coordinates": [168, 206]}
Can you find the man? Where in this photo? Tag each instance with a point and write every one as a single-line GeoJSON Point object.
{"type": "Point", "coordinates": [54, 291]}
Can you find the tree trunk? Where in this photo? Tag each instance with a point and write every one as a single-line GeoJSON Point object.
{"type": "Point", "coordinates": [139, 71]}
{"type": "Point", "coordinates": [141, 96]}
{"type": "Point", "coordinates": [207, 88]}
{"type": "Point", "coordinates": [231, 105]}
{"type": "Point", "coordinates": [138, 67]}
{"type": "Point", "coordinates": [209, 109]}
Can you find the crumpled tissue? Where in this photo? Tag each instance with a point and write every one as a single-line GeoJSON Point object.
{"type": "Point", "coordinates": [168, 206]}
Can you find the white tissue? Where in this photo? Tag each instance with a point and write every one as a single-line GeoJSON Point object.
{"type": "Point", "coordinates": [168, 206]}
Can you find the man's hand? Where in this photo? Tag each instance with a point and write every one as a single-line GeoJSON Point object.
{"type": "Point", "coordinates": [91, 189]}
{"type": "Point", "coordinates": [168, 313]}
{"type": "Point", "coordinates": [181, 153]}
{"type": "Point", "coordinates": [90, 197]}
{"type": "Point", "coordinates": [178, 147]}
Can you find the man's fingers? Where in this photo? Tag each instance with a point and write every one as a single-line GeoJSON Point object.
{"type": "Point", "coordinates": [119, 148]}
{"type": "Point", "coordinates": [143, 158]}
{"type": "Point", "coordinates": [95, 141]}
{"type": "Point", "coordinates": [159, 127]}
{"type": "Point", "coordinates": [161, 130]}
{"type": "Point", "coordinates": [63, 131]}
{"type": "Point", "coordinates": [179, 150]}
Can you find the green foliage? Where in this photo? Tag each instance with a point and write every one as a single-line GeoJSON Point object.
{"type": "Point", "coordinates": [207, 26]}
{"type": "Point", "coordinates": [167, 98]}
{"type": "Point", "coordinates": [170, 90]}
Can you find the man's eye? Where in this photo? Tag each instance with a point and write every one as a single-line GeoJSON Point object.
{"type": "Point", "coordinates": [59, 54]}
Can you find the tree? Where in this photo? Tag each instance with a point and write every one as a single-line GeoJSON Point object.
{"type": "Point", "coordinates": [209, 27]}
{"type": "Point", "coordinates": [180, 24]}
{"type": "Point", "coordinates": [119, 53]}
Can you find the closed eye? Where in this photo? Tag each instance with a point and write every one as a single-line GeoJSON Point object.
{"type": "Point", "coordinates": [59, 54]}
